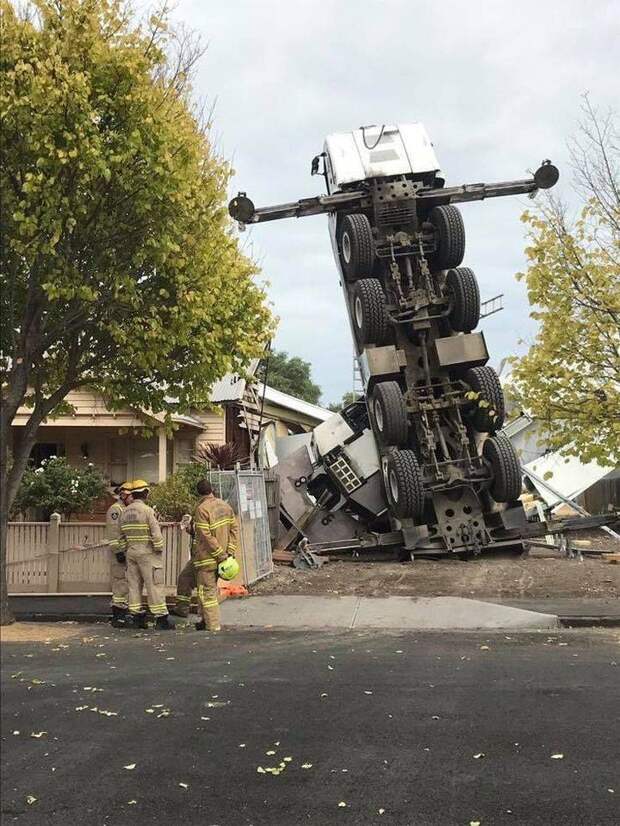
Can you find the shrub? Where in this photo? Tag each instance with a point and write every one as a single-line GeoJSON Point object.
{"type": "Point", "coordinates": [57, 487]}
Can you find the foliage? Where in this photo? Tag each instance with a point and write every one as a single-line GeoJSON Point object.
{"type": "Point", "coordinates": [570, 378]}
{"type": "Point", "coordinates": [119, 268]}
{"type": "Point", "coordinates": [220, 457]}
{"type": "Point", "coordinates": [291, 375]}
{"type": "Point", "coordinates": [177, 495]}
{"type": "Point", "coordinates": [58, 487]}
{"type": "Point", "coordinates": [348, 398]}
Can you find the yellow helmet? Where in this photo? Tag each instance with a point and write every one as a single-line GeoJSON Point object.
{"type": "Point", "coordinates": [228, 569]}
{"type": "Point", "coordinates": [138, 486]}
{"type": "Point", "coordinates": [125, 487]}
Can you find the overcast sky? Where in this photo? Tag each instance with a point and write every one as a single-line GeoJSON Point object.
{"type": "Point", "coordinates": [497, 85]}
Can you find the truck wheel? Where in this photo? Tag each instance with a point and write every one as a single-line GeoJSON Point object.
{"type": "Point", "coordinates": [404, 486]}
{"type": "Point", "coordinates": [501, 455]}
{"type": "Point", "coordinates": [449, 237]}
{"type": "Point", "coordinates": [389, 414]}
{"type": "Point", "coordinates": [370, 317]}
{"type": "Point", "coordinates": [464, 293]}
{"type": "Point", "coordinates": [487, 409]}
{"type": "Point", "coordinates": [356, 245]}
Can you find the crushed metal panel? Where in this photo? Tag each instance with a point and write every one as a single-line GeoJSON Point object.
{"type": "Point", "coordinates": [332, 433]}
{"type": "Point", "coordinates": [570, 477]}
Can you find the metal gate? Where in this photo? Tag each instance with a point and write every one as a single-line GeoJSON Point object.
{"type": "Point", "coordinates": [244, 490]}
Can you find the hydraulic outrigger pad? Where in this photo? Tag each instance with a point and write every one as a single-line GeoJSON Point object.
{"type": "Point", "coordinates": [242, 209]}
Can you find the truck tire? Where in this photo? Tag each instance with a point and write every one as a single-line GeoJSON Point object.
{"type": "Point", "coordinates": [505, 466]}
{"type": "Point", "coordinates": [404, 485]}
{"type": "Point", "coordinates": [370, 318]}
{"type": "Point", "coordinates": [389, 414]}
{"type": "Point", "coordinates": [462, 287]}
{"type": "Point", "coordinates": [449, 237]}
{"type": "Point", "coordinates": [356, 246]}
{"type": "Point", "coordinates": [487, 410]}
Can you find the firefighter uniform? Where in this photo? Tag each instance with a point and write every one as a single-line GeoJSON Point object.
{"type": "Point", "coordinates": [217, 534]}
{"type": "Point", "coordinates": [118, 569]}
{"type": "Point", "coordinates": [186, 583]}
{"type": "Point", "coordinates": [142, 541]}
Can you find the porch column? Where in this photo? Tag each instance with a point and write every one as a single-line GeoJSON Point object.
{"type": "Point", "coordinates": [162, 463]}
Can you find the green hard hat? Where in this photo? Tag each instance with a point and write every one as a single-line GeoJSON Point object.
{"type": "Point", "coordinates": [229, 568]}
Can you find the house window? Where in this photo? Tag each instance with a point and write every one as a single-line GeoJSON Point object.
{"type": "Point", "coordinates": [43, 451]}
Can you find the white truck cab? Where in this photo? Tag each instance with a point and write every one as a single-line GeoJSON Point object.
{"type": "Point", "coordinates": [379, 152]}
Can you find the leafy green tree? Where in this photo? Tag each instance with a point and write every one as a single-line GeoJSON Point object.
{"type": "Point", "coordinates": [348, 398]}
{"type": "Point", "coordinates": [119, 268]}
{"type": "Point", "coordinates": [570, 378]}
{"type": "Point", "coordinates": [57, 487]}
{"type": "Point", "coordinates": [292, 375]}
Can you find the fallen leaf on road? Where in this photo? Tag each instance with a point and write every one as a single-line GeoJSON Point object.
{"type": "Point", "coordinates": [381, 811]}
{"type": "Point", "coordinates": [241, 745]}
{"type": "Point", "coordinates": [81, 708]}
{"type": "Point", "coordinates": [479, 755]}
{"type": "Point", "coordinates": [150, 710]}
{"type": "Point", "coordinates": [557, 757]}
{"type": "Point", "coordinates": [342, 804]}
{"type": "Point", "coordinates": [184, 785]}
{"type": "Point", "coordinates": [31, 799]}
{"type": "Point", "coordinates": [287, 759]}
{"type": "Point", "coordinates": [270, 752]}
{"type": "Point", "coordinates": [309, 766]}
{"type": "Point", "coordinates": [474, 823]}
{"type": "Point", "coordinates": [131, 802]}
{"type": "Point", "coordinates": [484, 648]}
{"type": "Point", "coordinates": [130, 767]}
{"type": "Point", "coordinates": [205, 718]}
{"type": "Point", "coordinates": [434, 717]}
{"type": "Point", "coordinates": [260, 770]}
{"type": "Point", "coordinates": [15, 732]}
{"type": "Point", "coordinates": [368, 692]}
{"type": "Point", "coordinates": [37, 734]}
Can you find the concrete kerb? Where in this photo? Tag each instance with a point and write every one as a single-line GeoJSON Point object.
{"type": "Point", "coordinates": [399, 613]}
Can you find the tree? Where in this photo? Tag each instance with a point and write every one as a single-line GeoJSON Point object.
{"type": "Point", "coordinates": [570, 378]}
{"type": "Point", "coordinates": [58, 487]}
{"type": "Point", "coordinates": [291, 375]}
{"type": "Point", "coordinates": [347, 398]}
{"type": "Point", "coordinates": [119, 268]}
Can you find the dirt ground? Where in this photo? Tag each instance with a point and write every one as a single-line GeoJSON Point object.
{"type": "Point", "coordinates": [38, 631]}
{"type": "Point", "coordinates": [539, 575]}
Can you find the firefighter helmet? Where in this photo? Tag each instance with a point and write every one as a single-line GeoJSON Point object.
{"type": "Point", "coordinates": [228, 569]}
{"type": "Point", "coordinates": [139, 486]}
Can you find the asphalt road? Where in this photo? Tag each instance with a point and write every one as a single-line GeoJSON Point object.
{"type": "Point", "coordinates": [369, 727]}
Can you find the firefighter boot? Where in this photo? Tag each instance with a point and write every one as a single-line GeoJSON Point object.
{"type": "Point", "coordinates": [163, 623]}
{"type": "Point", "coordinates": [119, 617]}
{"type": "Point", "coordinates": [139, 620]}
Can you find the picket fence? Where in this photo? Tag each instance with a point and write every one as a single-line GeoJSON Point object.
{"type": "Point", "coordinates": [72, 557]}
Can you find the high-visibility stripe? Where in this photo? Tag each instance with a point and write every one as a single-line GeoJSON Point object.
{"type": "Point", "coordinates": [227, 521]}
{"type": "Point", "coordinates": [205, 563]}
{"type": "Point", "coordinates": [126, 526]}
{"type": "Point", "coordinates": [181, 598]}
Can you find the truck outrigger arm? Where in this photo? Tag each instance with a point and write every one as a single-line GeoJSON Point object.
{"type": "Point", "coordinates": [242, 209]}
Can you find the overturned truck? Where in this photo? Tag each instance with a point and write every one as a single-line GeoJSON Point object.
{"type": "Point", "coordinates": [419, 461]}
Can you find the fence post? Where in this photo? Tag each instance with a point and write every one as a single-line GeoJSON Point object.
{"type": "Point", "coordinates": [53, 550]}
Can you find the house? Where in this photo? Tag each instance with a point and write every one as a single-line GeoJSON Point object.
{"type": "Point", "coordinates": [594, 487]}
{"type": "Point", "coordinates": [133, 444]}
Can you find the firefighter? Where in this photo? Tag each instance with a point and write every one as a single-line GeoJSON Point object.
{"type": "Point", "coordinates": [118, 566]}
{"type": "Point", "coordinates": [186, 582]}
{"type": "Point", "coordinates": [143, 544]}
{"type": "Point", "coordinates": [217, 532]}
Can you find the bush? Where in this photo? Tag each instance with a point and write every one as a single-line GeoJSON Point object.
{"type": "Point", "coordinates": [57, 487]}
{"type": "Point", "coordinates": [177, 495]}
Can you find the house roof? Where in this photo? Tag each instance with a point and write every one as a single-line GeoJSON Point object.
{"type": "Point", "coordinates": [231, 387]}
{"type": "Point", "coordinates": [293, 403]}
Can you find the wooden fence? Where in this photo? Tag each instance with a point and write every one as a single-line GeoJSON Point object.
{"type": "Point", "coordinates": [70, 557]}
